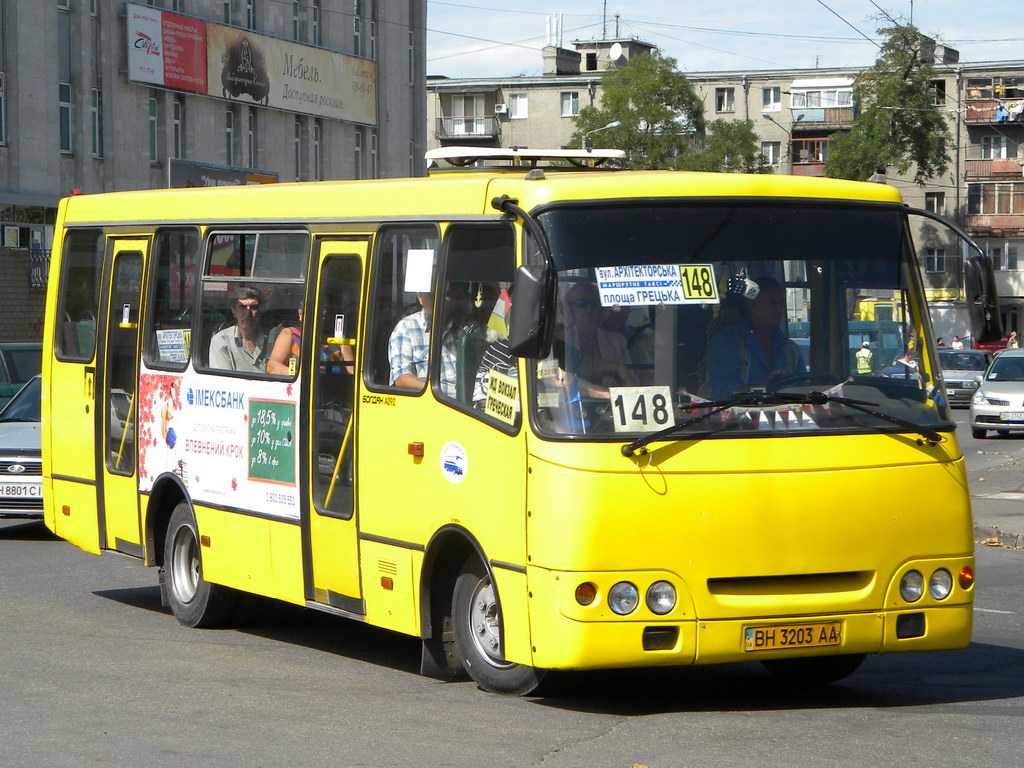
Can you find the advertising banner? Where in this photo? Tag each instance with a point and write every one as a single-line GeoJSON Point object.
{"type": "Point", "coordinates": [237, 64]}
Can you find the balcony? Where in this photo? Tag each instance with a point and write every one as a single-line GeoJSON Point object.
{"type": "Point", "coordinates": [987, 112]}
{"type": "Point", "coordinates": [821, 118]}
{"type": "Point", "coordinates": [471, 128]}
{"type": "Point", "coordinates": [808, 169]}
{"type": "Point", "coordinates": [994, 170]}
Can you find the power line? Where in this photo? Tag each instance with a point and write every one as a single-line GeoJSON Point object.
{"type": "Point", "coordinates": [873, 42]}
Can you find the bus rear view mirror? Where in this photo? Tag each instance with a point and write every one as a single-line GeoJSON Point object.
{"type": "Point", "coordinates": [980, 294]}
{"type": "Point", "coordinates": [528, 331]}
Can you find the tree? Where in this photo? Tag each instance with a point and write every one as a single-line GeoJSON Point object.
{"type": "Point", "coordinates": [663, 121]}
{"type": "Point", "coordinates": [899, 124]}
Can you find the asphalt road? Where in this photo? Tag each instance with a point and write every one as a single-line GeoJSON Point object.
{"type": "Point", "coordinates": [94, 672]}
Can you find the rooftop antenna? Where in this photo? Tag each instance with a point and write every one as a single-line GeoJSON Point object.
{"type": "Point", "coordinates": [604, 20]}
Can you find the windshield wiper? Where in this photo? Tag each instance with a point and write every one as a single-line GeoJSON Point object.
{"type": "Point", "coordinates": [780, 398]}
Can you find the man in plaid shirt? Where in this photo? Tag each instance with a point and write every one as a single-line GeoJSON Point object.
{"type": "Point", "coordinates": [409, 348]}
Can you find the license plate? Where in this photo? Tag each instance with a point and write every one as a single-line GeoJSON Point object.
{"type": "Point", "coordinates": [782, 636]}
{"type": "Point", "coordinates": [1012, 416]}
{"type": "Point", "coordinates": [9, 491]}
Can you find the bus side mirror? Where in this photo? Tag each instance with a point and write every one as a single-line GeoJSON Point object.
{"type": "Point", "coordinates": [980, 293]}
{"type": "Point", "coordinates": [529, 333]}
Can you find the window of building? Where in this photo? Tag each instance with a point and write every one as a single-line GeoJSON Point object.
{"type": "Point", "coordinates": [935, 202]}
{"type": "Point", "coordinates": [96, 121]}
{"type": "Point", "coordinates": [518, 106]}
{"type": "Point", "coordinates": [252, 137]}
{"type": "Point", "coordinates": [935, 260]}
{"type": "Point", "coordinates": [229, 136]}
{"type": "Point", "coordinates": [314, 23]}
{"type": "Point", "coordinates": [357, 27]}
{"type": "Point", "coordinates": [771, 99]}
{"type": "Point", "coordinates": [374, 159]}
{"type": "Point", "coordinates": [414, 169]}
{"type": "Point", "coordinates": [65, 117]}
{"type": "Point", "coordinates": [357, 154]}
{"type": "Point", "coordinates": [154, 130]}
{"type": "Point", "coordinates": [822, 98]}
{"type": "Point", "coordinates": [371, 21]}
{"type": "Point", "coordinates": [771, 151]}
{"type": "Point", "coordinates": [997, 148]}
{"type": "Point", "coordinates": [297, 145]}
{"type": "Point", "coordinates": [318, 158]}
{"type": "Point", "coordinates": [401, 299]}
{"type": "Point", "coordinates": [178, 127]}
{"type": "Point", "coordinates": [725, 99]}
{"type": "Point", "coordinates": [296, 21]}
{"type": "Point", "coordinates": [3, 111]}
{"type": "Point", "coordinates": [987, 198]}
{"type": "Point", "coordinates": [810, 150]}
{"type": "Point", "coordinates": [937, 88]}
{"type": "Point", "coordinates": [412, 58]}
{"type": "Point", "coordinates": [591, 59]}
{"type": "Point", "coordinates": [227, 11]}
{"type": "Point", "coordinates": [250, 14]}
{"type": "Point", "coordinates": [1003, 254]}
{"type": "Point", "coordinates": [570, 103]}
{"type": "Point", "coordinates": [467, 115]}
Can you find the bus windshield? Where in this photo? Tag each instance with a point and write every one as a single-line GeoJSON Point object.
{"type": "Point", "coordinates": [666, 311]}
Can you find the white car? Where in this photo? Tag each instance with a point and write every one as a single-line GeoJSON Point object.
{"type": "Point", "coordinates": [21, 468]}
{"type": "Point", "coordinates": [999, 402]}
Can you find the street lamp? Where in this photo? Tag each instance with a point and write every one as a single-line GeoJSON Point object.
{"type": "Point", "coordinates": [586, 136]}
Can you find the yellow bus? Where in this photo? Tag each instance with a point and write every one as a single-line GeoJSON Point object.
{"type": "Point", "coordinates": [542, 417]}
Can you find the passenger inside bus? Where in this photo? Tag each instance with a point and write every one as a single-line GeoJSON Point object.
{"type": "Point", "coordinates": [284, 355]}
{"type": "Point", "coordinates": [242, 346]}
{"type": "Point", "coordinates": [596, 356]}
{"type": "Point", "coordinates": [747, 347]}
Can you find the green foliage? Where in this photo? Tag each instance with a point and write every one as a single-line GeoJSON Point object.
{"type": "Point", "coordinates": [663, 122]}
{"type": "Point", "coordinates": [898, 125]}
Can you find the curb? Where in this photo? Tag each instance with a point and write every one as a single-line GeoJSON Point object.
{"type": "Point", "coordinates": [993, 536]}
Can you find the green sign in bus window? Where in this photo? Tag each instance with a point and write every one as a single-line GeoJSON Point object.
{"type": "Point", "coordinates": [272, 441]}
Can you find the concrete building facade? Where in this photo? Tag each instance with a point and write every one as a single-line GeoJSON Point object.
{"type": "Point", "coordinates": [106, 95]}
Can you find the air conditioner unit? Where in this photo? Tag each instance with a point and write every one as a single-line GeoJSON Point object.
{"type": "Point", "coordinates": [501, 109]}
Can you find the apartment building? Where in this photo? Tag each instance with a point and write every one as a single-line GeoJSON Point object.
{"type": "Point", "coordinates": [796, 113]}
{"type": "Point", "coordinates": [105, 95]}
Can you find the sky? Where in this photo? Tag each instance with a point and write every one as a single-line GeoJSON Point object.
{"type": "Point", "coordinates": [467, 38]}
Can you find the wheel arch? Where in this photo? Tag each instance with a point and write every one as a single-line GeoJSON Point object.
{"type": "Point", "coordinates": [443, 558]}
{"type": "Point", "coordinates": [168, 491]}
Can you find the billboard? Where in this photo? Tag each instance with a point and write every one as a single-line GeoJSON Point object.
{"type": "Point", "coordinates": [182, 53]}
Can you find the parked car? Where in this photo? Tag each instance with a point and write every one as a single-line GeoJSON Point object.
{"type": "Point", "coordinates": [21, 470]}
{"type": "Point", "coordinates": [962, 370]}
{"type": "Point", "coordinates": [999, 402]}
{"type": "Point", "coordinates": [19, 362]}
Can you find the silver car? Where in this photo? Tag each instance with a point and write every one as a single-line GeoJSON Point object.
{"type": "Point", "coordinates": [999, 402]}
{"type": "Point", "coordinates": [962, 370]}
{"type": "Point", "coordinates": [21, 476]}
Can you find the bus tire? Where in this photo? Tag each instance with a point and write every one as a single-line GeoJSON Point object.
{"type": "Point", "coordinates": [476, 620]}
{"type": "Point", "coordinates": [814, 671]}
{"type": "Point", "coordinates": [194, 601]}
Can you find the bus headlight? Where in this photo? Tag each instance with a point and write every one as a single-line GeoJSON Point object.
{"type": "Point", "coordinates": [912, 586]}
{"type": "Point", "coordinates": [623, 598]}
{"type": "Point", "coordinates": [661, 597]}
{"type": "Point", "coordinates": [940, 584]}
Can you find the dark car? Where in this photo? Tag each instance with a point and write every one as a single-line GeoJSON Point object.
{"type": "Point", "coordinates": [962, 371]}
{"type": "Point", "coordinates": [21, 473]}
{"type": "Point", "coordinates": [19, 362]}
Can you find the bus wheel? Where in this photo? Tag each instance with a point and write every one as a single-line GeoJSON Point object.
{"type": "Point", "coordinates": [194, 601]}
{"type": "Point", "coordinates": [476, 620]}
{"type": "Point", "coordinates": [814, 671]}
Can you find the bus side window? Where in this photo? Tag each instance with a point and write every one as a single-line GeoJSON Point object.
{"type": "Point", "coordinates": [479, 268]}
{"type": "Point", "coordinates": [397, 350]}
{"type": "Point", "coordinates": [81, 264]}
{"type": "Point", "coordinates": [172, 298]}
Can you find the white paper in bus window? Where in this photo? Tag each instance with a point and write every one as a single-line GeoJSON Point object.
{"type": "Point", "coordinates": [419, 268]}
{"type": "Point", "coordinates": [647, 284]}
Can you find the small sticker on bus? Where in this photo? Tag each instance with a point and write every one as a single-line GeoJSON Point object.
{"type": "Point", "coordinates": [454, 463]}
{"type": "Point", "coordinates": [646, 284]}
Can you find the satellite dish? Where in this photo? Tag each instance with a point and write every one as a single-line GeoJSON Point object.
{"type": "Point", "coordinates": [616, 52]}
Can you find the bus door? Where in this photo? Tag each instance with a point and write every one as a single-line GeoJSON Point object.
{"type": "Point", "coordinates": [333, 578]}
{"type": "Point", "coordinates": [119, 484]}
